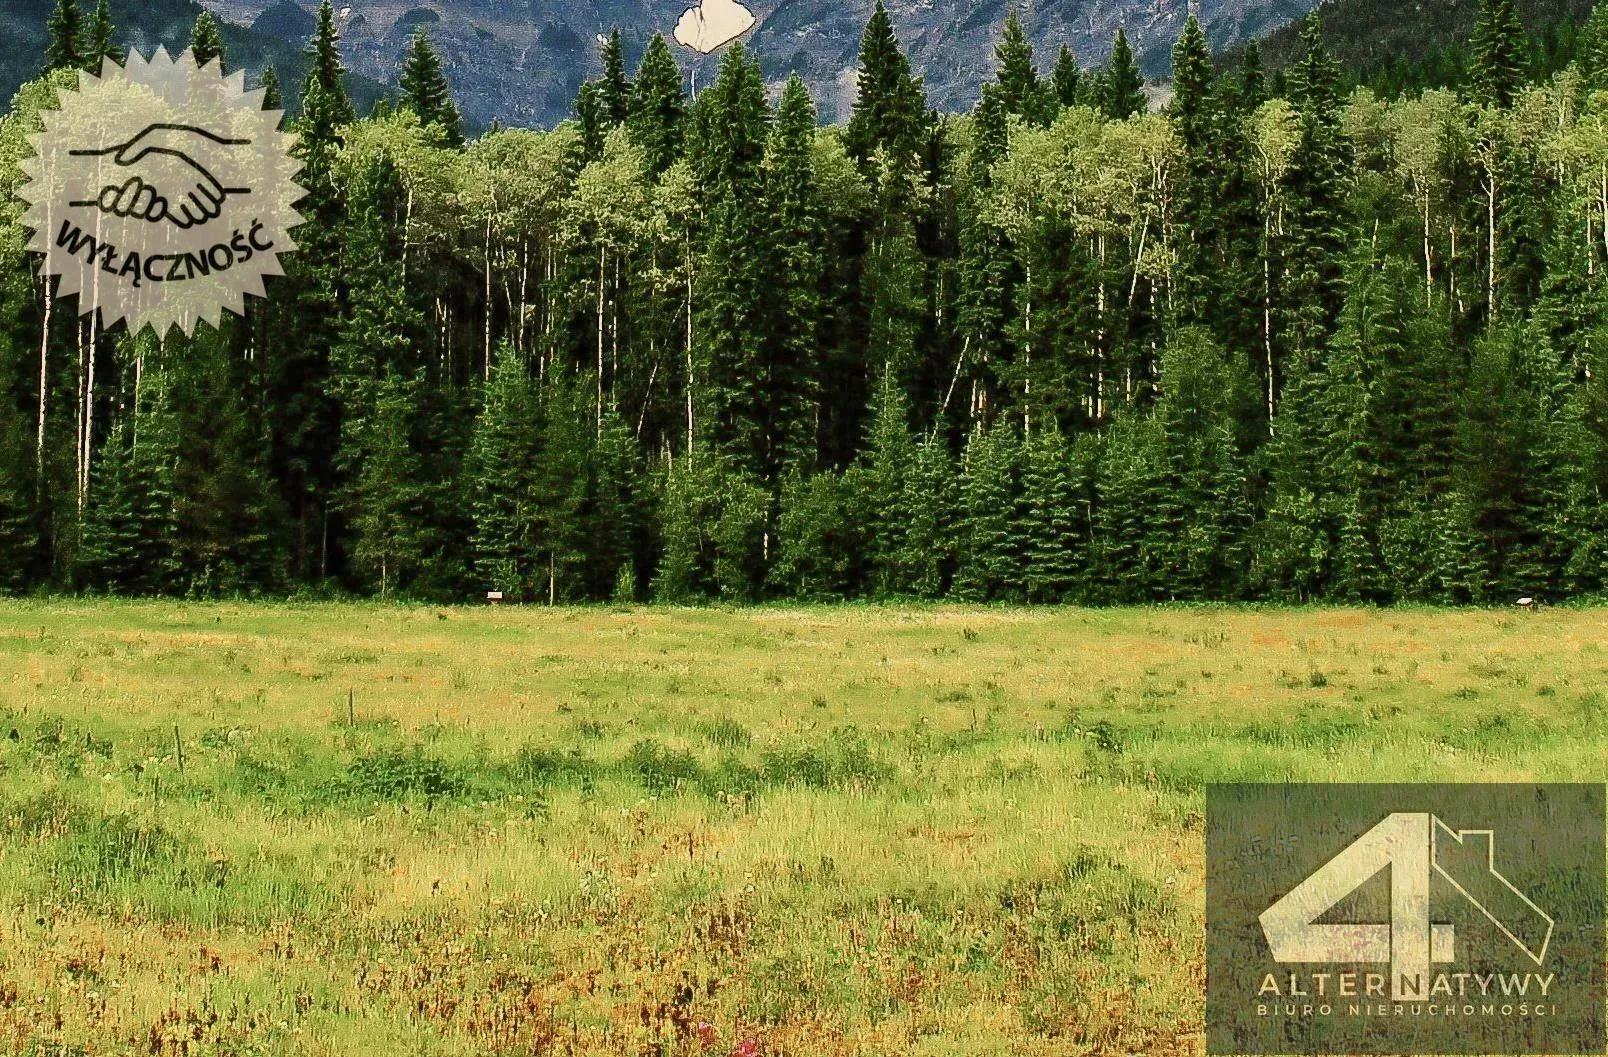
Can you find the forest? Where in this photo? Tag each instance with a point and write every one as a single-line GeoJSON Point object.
{"type": "Point", "coordinates": [1276, 340]}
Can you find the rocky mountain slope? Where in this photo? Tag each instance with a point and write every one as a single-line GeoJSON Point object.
{"type": "Point", "coordinates": [145, 24]}
{"type": "Point", "coordinates": [520, 61]}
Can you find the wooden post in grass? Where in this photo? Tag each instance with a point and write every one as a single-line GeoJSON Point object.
{"type": "Point", "coordinates": [351, 708]}
{"type": "Point", "coordinates": [178, 748]}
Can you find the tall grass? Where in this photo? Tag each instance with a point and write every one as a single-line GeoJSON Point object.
{"type": "Point", "coordinates": [829, 830]}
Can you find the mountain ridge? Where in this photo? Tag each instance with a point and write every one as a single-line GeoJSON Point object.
{"type": "Point", "coordinates": [521, 63]}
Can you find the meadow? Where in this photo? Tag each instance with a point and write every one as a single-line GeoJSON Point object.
{"type": "Point", "coordinates": [360, 829]}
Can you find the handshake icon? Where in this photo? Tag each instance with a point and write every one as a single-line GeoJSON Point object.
{"type": "Point", "coordinates": [163, 176]}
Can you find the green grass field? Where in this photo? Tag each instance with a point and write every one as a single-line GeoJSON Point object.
{"type": "Point", "coordinates": [830, 831]}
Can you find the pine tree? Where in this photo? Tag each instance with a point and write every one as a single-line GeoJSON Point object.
{"type": "Point", "coordinates": [890, 110]}
{"type": "Point", "coordinates": [425, 90]}
{"type": "Point", "coordinates": [1067, 81]}
{"type": "Point", "coordinates": [206, 41]}
{"type": "Point", "coordinates": [614, 91]}
{"type": "Point", "coordinates": [1497, 70]}
{"type": "Point", "coordinates": [1122, 86]}
{"type": "Point", "coordinates": [658, 107]}
{"type": "Point", "coordinates": [66, 26]}
{"type": "Point", "coordinates": [1020, 89]}
{"type": "Point", "coordinates": [102, 39]}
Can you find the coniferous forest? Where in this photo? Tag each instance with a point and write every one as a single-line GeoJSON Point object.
{"type": "Point", "coordinates": [1276, 340]}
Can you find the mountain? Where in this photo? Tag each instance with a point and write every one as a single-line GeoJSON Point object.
{"type": "Point", "coordinates": [145, 24]}
{"type": "Point", "coordinates": [1371, 36]}
{"type": "Point", "coordinates": [521, 61]}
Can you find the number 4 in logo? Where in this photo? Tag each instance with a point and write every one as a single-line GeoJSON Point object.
{"type": "Point", "coordinates": [1413, 845]}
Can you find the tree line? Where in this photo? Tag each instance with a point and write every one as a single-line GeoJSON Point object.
{"type": "Point", "coordinates": [1273, 341]}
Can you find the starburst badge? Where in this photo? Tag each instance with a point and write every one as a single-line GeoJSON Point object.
{"type": "Point", "coordinates": [161, 192]}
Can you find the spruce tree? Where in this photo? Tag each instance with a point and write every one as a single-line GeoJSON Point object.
{"type": "Point", "coordinates": [987, 259]}
{"type": "Point", "coordinates": [590, 116]}
{"type": "Point", "coordinates": [611, 515]}
{"type": "Point", "coordinates": [890, 110]}
{"type": "Point", "coordinates": [818, 541]}
{"type": "Point", "coordinates": [370, 362]}
{"type": "Point", "coordinates": [734, 303]}
{"type": "Point", "coordinates": [1067, 81]}
{"type": "Point", "coordinates": [102, 43]}
{"type": "Point", "coordinates": [206, 41]}
{"type": "Point", "coordinates": [889, 461]}
{"type": "Point", "coordinates": [1316, 193]}
{"type": "Point", "coordinates": [1252, 78]}
{"type": "Point", "coordinates": [66, 27]}
{"type": "Point", "coordinates": [298, 331]}
{"type": "Point", "coordinates": [1020, 89]}
{"type": "Point", "coordinates": [1502, 466]}
{"type": "Point", "coordinates": [798, 269]}
{"type": "Point", "coordinates": [614, 91]}
{"type": "Point", "coordinates": [325, 103]}
{"type": "Point", "coordinates": [325, 108]}
{"type": "Point", "coordinates": [1592, 55]}
{"type": "Point", "coordinates": [502, 490]}
{"type": "Point", "coordinates": [990, 564]}
{"type": "Point", "coordinates": [658, 107]}
{"type": "Point", "coordinates": [1500, 53]}
{"type": "Point", "coordinates": [928, 552]}
{"type": "Point", "coordinates": [273, 96]}
{"type": "Point", "coordinates": [19, 542]}
{"type": "Point", "coordinates": [1219, 274]}
{"type": "Point", "coordinates": [1135, 526]}
{"type": "Point", "coordinates": [130, 537]}
{"type": "Point", "coordinates": [1052, 511]}
{"type": "Point", "coordinates": [1207, 400]}
{"type": "Point", "coordinates": [893, 284]}
{"type": "Point", "coordinates": [386, 498]}
{"type": "Point", "coordinates": [563, 480]}
{"type": "Point", "coordinates": [425, 90]}
{"type": "Point", "coordinates": [1122, 85]}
